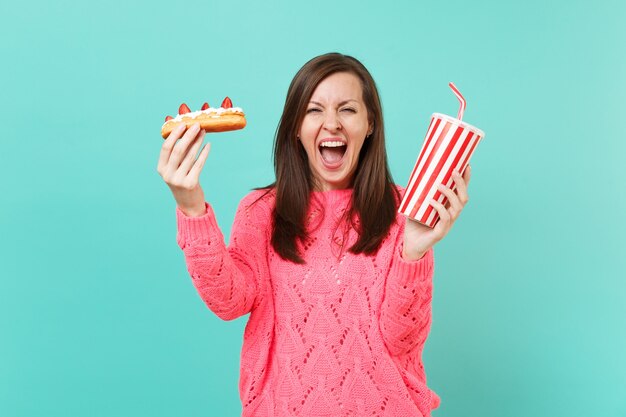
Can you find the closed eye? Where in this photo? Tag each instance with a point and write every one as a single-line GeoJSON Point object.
{"type": "Point", "coordinates": [313, 110]}
{"type": "Point", "coordinates": [349, 110]}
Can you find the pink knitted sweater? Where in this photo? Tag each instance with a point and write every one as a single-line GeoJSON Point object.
{"type": "Point", "coordinates": [341, 335]}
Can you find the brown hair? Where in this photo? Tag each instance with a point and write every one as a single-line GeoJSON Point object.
{"type": "Point", "coordinates": [374, 197]}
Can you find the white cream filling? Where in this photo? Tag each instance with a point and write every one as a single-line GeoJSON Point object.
{"type": "Point", "coordinates": [210, 111]}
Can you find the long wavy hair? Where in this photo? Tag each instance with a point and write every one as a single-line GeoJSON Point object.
{"type": "Point", "coordinates": [374, 197]}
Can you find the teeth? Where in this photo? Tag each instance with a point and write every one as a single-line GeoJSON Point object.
{"type": "Point", "coordinates": [333, 144]}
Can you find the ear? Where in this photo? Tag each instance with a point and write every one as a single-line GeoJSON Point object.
{"type": "Point", "coordinates": [298, 133]}
{"type": "Point", "coordinates": [370, 130]}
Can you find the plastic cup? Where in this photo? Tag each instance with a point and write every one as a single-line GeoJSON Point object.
{"type": "Point", "coordinates": [448, 146]}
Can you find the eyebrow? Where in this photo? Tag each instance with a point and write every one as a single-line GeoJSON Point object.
{"type": "Point", "coordinates": [340, 104]}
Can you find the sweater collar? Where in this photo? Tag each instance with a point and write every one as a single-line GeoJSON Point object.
{"type": "Point", "coordinates": [333, 196]}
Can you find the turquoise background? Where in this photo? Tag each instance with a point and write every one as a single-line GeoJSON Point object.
{"type": "Point", "coordinates": [98, 316]}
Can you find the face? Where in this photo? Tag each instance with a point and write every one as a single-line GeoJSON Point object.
{"type": "Point", "coordinates": [334, 129]}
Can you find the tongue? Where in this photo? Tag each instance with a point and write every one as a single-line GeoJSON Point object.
{"type": "Point", "coordinates": [332, 155]}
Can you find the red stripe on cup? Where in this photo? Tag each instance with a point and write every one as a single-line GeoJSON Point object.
{"type": "Point", "coordinates": [428, 175]}
{"type": "Point", "coordinates": [432, 221]}
{"type": "Point", "coordinates": [439, 139]}
{"type": "Point", "coordinates": [448, 176]}
{"type": "Point", "coordinates": [438, 168]}
{"type": "Point", "coordinates": [429, 135]}
{"type": "Point", "coordinates": [426, 149]}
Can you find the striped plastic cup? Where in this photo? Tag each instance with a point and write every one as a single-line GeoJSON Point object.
{"type": "Point", "coordinates": [448, 146]}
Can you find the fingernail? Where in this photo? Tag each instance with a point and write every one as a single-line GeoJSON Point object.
{"type": "Point", "coordinates": [181, 127]}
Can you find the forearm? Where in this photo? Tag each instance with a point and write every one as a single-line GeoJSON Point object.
{"type": "Point", "coordinates": [223, 280]}
{"type": "Point", "coordinates": [406, 308]}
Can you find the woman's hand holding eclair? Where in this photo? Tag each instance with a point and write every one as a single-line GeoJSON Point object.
{"type": "Point", "coordinates": [180, 169]}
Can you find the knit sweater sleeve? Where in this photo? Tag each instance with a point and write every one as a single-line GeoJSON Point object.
{"type": "Point", "coordinates": [228, 279]}
{"type": "Point", "coordinates": [405, 315]}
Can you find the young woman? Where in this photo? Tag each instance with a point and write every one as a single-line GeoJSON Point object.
{"type": "Point", "coordinates": [337, 284]}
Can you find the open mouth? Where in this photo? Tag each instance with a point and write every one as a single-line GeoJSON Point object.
{"type": "Point", "coordinates": [332, 152]}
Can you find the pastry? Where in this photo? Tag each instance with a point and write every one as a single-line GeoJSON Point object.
{"type": "Point", "coordinates": [222, 119]}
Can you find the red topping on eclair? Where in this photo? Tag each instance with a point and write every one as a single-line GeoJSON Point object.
{"type": "Point", "coordinates": [183, 109]}
{"type": "Point", "coordinates": [168, 118]}
{"type": "Point", "coordinates": [205, 106]}
{"type": "Point", "coordinates": [227, 104]}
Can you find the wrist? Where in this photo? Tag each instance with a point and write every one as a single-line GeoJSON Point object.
{"type": "Point", "coordinates": [190, 202]}
{"type": "Point", "coordinates": [412, 255]}
{"type": "Point", "coordinates": [195, 211]}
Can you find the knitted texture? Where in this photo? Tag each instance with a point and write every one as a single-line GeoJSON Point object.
{"type": "Point", "coordinates": [341, 335]}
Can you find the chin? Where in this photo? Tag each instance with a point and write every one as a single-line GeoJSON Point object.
{"type": "Point", "coordinates": [333, 181]}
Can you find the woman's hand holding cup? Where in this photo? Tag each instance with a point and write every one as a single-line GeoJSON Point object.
{"type": "Point", "coordinates": [419, 238]}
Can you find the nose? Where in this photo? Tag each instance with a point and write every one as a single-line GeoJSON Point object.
{"type": "Point", "coordinates": [332, 122]}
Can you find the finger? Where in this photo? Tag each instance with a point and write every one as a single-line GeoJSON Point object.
{"type": "Point", "coordinates": [454, 205]}
{"type": "Point", "coordinates": [181, 147]}
{"type": "Point", "coordinates": [185, 166]}
{"type": "Point", "coordinates": [444, 217]}
{"type": "Point", "coordinates": [168, 145]}
{"type": "Point", "coordinates": [197, 166]}
{"type": "Point", "coordinates": [467, 174]}
{"type": "Point", "coordinates": [461, 187]}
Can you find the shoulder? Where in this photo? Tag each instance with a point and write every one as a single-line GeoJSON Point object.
{"type": "Point", "coordinates": [258, 202]}
{"type": "Point", "coordinates": [254, 214]}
